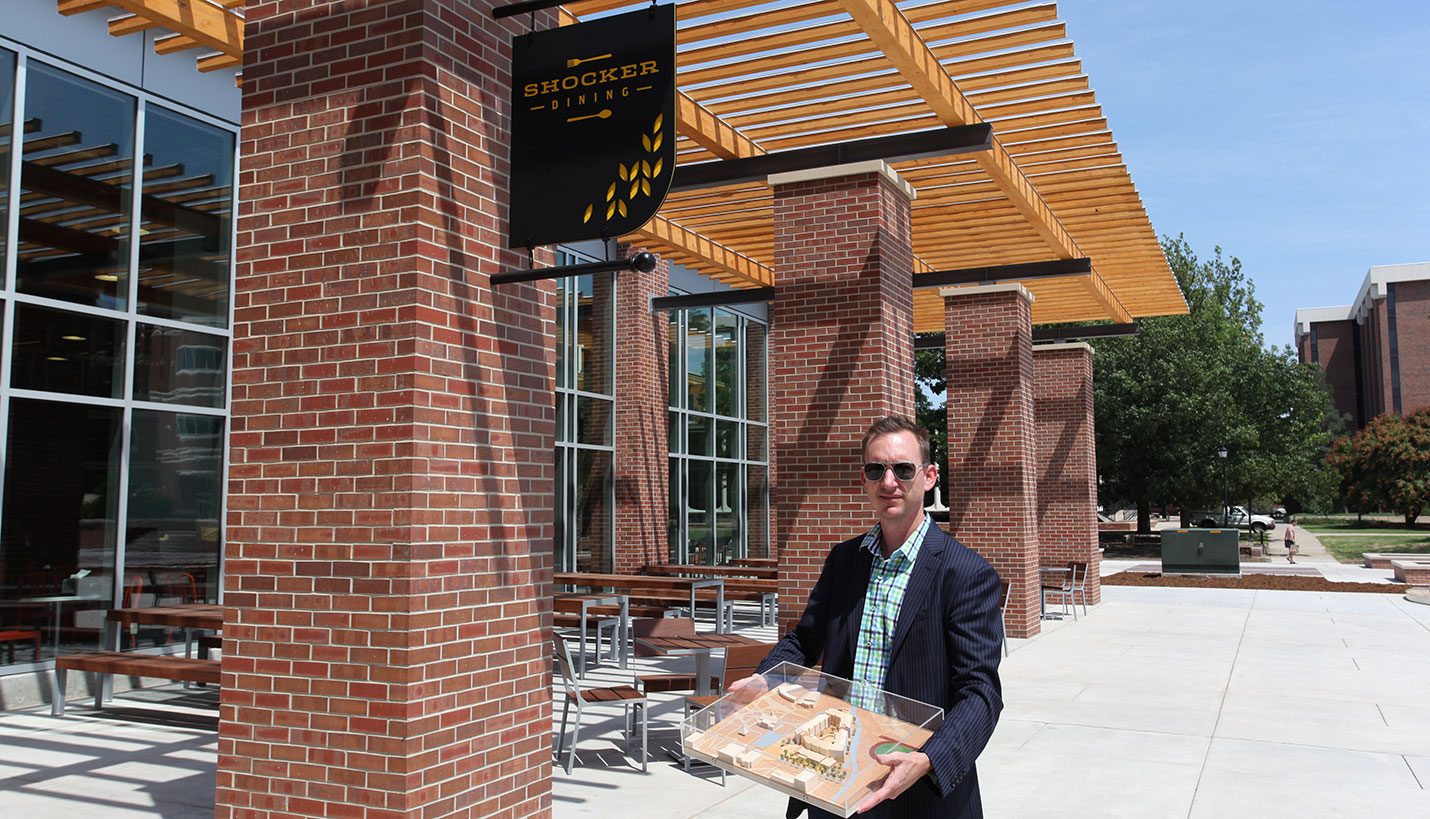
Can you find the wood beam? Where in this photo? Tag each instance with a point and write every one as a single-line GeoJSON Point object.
{"type": "Point", "coordinates": [892, 33]}
{"type": "Point", "coordinates": [698, 124]}
{"type": "Point", "coordinates": [207, 24]}
{"type": "Point", "coordinates": [706, 252]}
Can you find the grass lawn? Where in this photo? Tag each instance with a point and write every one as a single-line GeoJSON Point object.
{"type": "Point", "coordinates": [1348, 548]}
{"type": "Point", "coordinates": [1364, 527]}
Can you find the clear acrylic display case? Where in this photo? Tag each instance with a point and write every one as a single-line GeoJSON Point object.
{"type": "Point", "coordinates": [809, 734]}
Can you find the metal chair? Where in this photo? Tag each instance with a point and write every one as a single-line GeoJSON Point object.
{"type": "Point", "coordinates": [1078, 569]}
{"type": "Point", "coordinates": [740, 662]}
{"type": "Point", "coordinates": [623, 695]}
{"type": "Point", "coordinates": [1059, 582]}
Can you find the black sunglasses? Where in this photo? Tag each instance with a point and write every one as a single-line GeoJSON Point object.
{"type": "Point", "coordinates": [903, 470]}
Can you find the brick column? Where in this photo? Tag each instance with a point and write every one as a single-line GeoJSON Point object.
{"type": "Point", "coordinates": [841, 353]}
{"type": "Point", "coordinates": [1067, 458]}
{"type": "Point", "coordinates": [992, 447]}
{"type": "Point", "coordinates": [642, 468]}
{"type": "Point", "coordinates": [388, 571]}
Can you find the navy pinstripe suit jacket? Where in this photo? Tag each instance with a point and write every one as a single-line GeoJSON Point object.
{"type": "Point", "coordinates": [946, 648]}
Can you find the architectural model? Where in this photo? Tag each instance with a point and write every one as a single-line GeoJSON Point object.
{"type": "Point", "coordinates": [802, 737]}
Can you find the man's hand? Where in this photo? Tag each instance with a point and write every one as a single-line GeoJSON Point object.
{"type": "Point", "coordinates": [748, 689]}
{"type": "Point", "coordinates": [906, 769]}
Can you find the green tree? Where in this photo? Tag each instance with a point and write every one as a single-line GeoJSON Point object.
{"type": "Point", "coordinates": [1386, 466]}
{"type": "Point", "coordinates": [1166, 398]}
{"type": "Point", "coordinates": [929, 409]}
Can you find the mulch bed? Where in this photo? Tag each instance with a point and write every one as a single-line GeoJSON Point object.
{"type": "Point", "coordinates": [1250, 581]}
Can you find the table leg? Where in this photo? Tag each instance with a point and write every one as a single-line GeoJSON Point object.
{"type": "Point", "coordinates": [581, 663]}
{"type": "Point", "coordinates": [720, 609]}
{"type": "Point", "coordinates": [702, 673]}
{"type": "Point", "coordinates": [625, 627]}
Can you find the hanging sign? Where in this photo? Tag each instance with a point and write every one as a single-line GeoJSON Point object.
{"type": "Point", "coordinates": [592, 127]}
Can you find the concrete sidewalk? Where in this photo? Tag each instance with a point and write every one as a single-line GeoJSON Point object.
{"type": "Point", "coordinates": [1161, 702]}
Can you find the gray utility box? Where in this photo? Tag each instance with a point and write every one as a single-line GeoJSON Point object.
{"type": "Point", "coordinates": [1201, 551]}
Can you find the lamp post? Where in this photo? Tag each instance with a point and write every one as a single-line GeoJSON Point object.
{"type": "Point", "coordinates": [1221, 452]}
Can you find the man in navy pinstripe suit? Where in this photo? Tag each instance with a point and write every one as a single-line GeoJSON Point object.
{"type": "Point", "coordinates": [908, 609]}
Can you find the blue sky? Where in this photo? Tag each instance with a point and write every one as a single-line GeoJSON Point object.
{"type": "Point", "coordinates": [1294, 135]}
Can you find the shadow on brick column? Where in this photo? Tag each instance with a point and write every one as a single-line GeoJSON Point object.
{"type": "Point", "coordinates": [642, 390]}
{"type": "Point", "coordinates": [841, 354]}
{"type": "Point", "coordinates": [992, 449]}
{"type": "Point", "coordinates": [1067, 459]}
{"type": "Point", "coordinates": [388, 557]}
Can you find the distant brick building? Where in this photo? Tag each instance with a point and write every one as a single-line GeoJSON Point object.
{"type": "Point", "coordinates": [1375, 352]}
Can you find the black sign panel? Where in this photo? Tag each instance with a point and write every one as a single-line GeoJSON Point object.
{"type": "Point", "coordinates": [592, 127]}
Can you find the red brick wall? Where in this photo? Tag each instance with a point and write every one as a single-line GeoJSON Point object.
{"type": "Point", "coordinates": [388, 569]}
{"type": "Point", "coordinates": [1335, 352]}
{"type": "Point", "coordinates": [642, 470]}
{"type": "Point", "coordinates": [992, 445]}
{"type": "Point", "coordinates": [1412, 334]}
{"type": "Point", "coordinates": [842, 341]}
{"type": "Point", "coordinates": [1067, 459]}
{"type": "Point", "coordinates": [1375, 360]}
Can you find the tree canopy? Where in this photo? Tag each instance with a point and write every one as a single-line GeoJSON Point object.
{"type": "Point", "coordinates": [1386, 466]}
{"type": "Point", "coordinates": [1167, 398]}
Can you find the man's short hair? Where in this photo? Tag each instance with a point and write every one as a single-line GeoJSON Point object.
{"type": "Point", "coordinates": [897, 423]}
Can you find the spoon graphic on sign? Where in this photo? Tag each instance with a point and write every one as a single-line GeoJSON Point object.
{"type": "Point", "coordinates": [604, 113]}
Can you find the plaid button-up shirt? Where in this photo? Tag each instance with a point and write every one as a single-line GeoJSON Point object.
{"type": "Point", "coordinates": [888, 578]}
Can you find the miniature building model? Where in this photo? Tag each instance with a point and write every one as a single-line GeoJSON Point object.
{"type": "Point", "coordinates": [790, 691]}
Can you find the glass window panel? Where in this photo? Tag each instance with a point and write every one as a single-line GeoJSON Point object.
{"type": "Point", "coordinates": [727, 511]}
{"type": "Point", "coordinates": [757, 500]}
{"type": "Point", "coordinates": [755, 442]}
{"type": "Point", "coordinates": [673, 382]}
{"type": "Point", "coordinates": [561, 296]}
{"type": "Point", "coordinates": [697, 358]}
{"type": "Point", "coordinates": [593, 511]}
{"type": "Point", "coordinates": [77, 181]}
{"type": "Point", "coordinates": [673, 432]}
{"type": "Point", "coordinates": [7, 108]}
{"type": "Point", "coordinates": [565, 554]}
{"type": "Point", "coordinates": [593, 334]}
{"type": "Point", "coordinates": [61, 508]}
{"type": "Point", "coordinates": [593, 419]}
{"type": "Point", "coordinates": [175, 492]}
{"type": "Point", "coordinates": [727, 363]}
{"type": "Point", "coordinates": [60, 351]}
{"type": "Point", "coordinates": [727, 439]}
{"type": "Point", "coordinates": [698, 512]}
{"type": "Point", "coordinates": [175, 366]}
{"type": "Point", "coordinates": [185, 246]}
{"type": "Point", "coordinates": [697, 434]}
{"type": "Point", "coordinates": [674, 495]}
{"type": "Point", "coordinates": [755, 370]}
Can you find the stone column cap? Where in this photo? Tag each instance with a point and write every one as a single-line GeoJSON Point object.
{"type": "Point", "coordinates": [877, 166]}
{"type": "Point", "coordinates": [980, 289]}
{"type": "Point", "coordinates": [1063, 345]}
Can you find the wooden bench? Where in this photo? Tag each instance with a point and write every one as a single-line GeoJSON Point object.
{"type": "Point", "coordinates": [1381, 560]}
{"type": "Point", "coordinates": [1413, 572]}
{"type": "Point", "coordinates": [158, 666]}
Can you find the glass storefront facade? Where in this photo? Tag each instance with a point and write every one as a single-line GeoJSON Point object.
{"type": "Point", "coordinates": [585, 416]}
{"type": "Point", "coordinates": [719, 468]}
{"type": "Point", "coordinates": [116, 237]}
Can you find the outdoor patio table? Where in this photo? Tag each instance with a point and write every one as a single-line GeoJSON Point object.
{"type": "Point", "coordinates": [700, 645]}
{"type": "Point", "coordinates": [587, 602]}
{"type": "Point", "coordinates": [186, 616]}
{"type": "Point", "coordinates": [635, 583]}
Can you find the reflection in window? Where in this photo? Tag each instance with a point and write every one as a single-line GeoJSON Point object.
{"type": "Point", "coordinates": [176, 366]}
{"type": "Point", "coordinates": [593, 333]}
{"type": "Point", "coordinates": [184, 238]}
{"type": "Point", "coordinates": [7, 108]}
{"type": "Point", "coordinates": [61, 351]}
{"type": "Point", "coordinates": [175, 493]}
{"type": "Point", "coordinates": [58, 539]}
{"type": "Point", "coordinates": [727, 362]}
{"type": "Point", "coordinates": [77, 179]}
{"type": "Point", "coordinates": [697, 359]}
{"type": "Point", "coordinates": [593, 510]}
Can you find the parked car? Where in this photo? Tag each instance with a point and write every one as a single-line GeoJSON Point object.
{"type": "Point", "coordinates": [1236, 516]}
